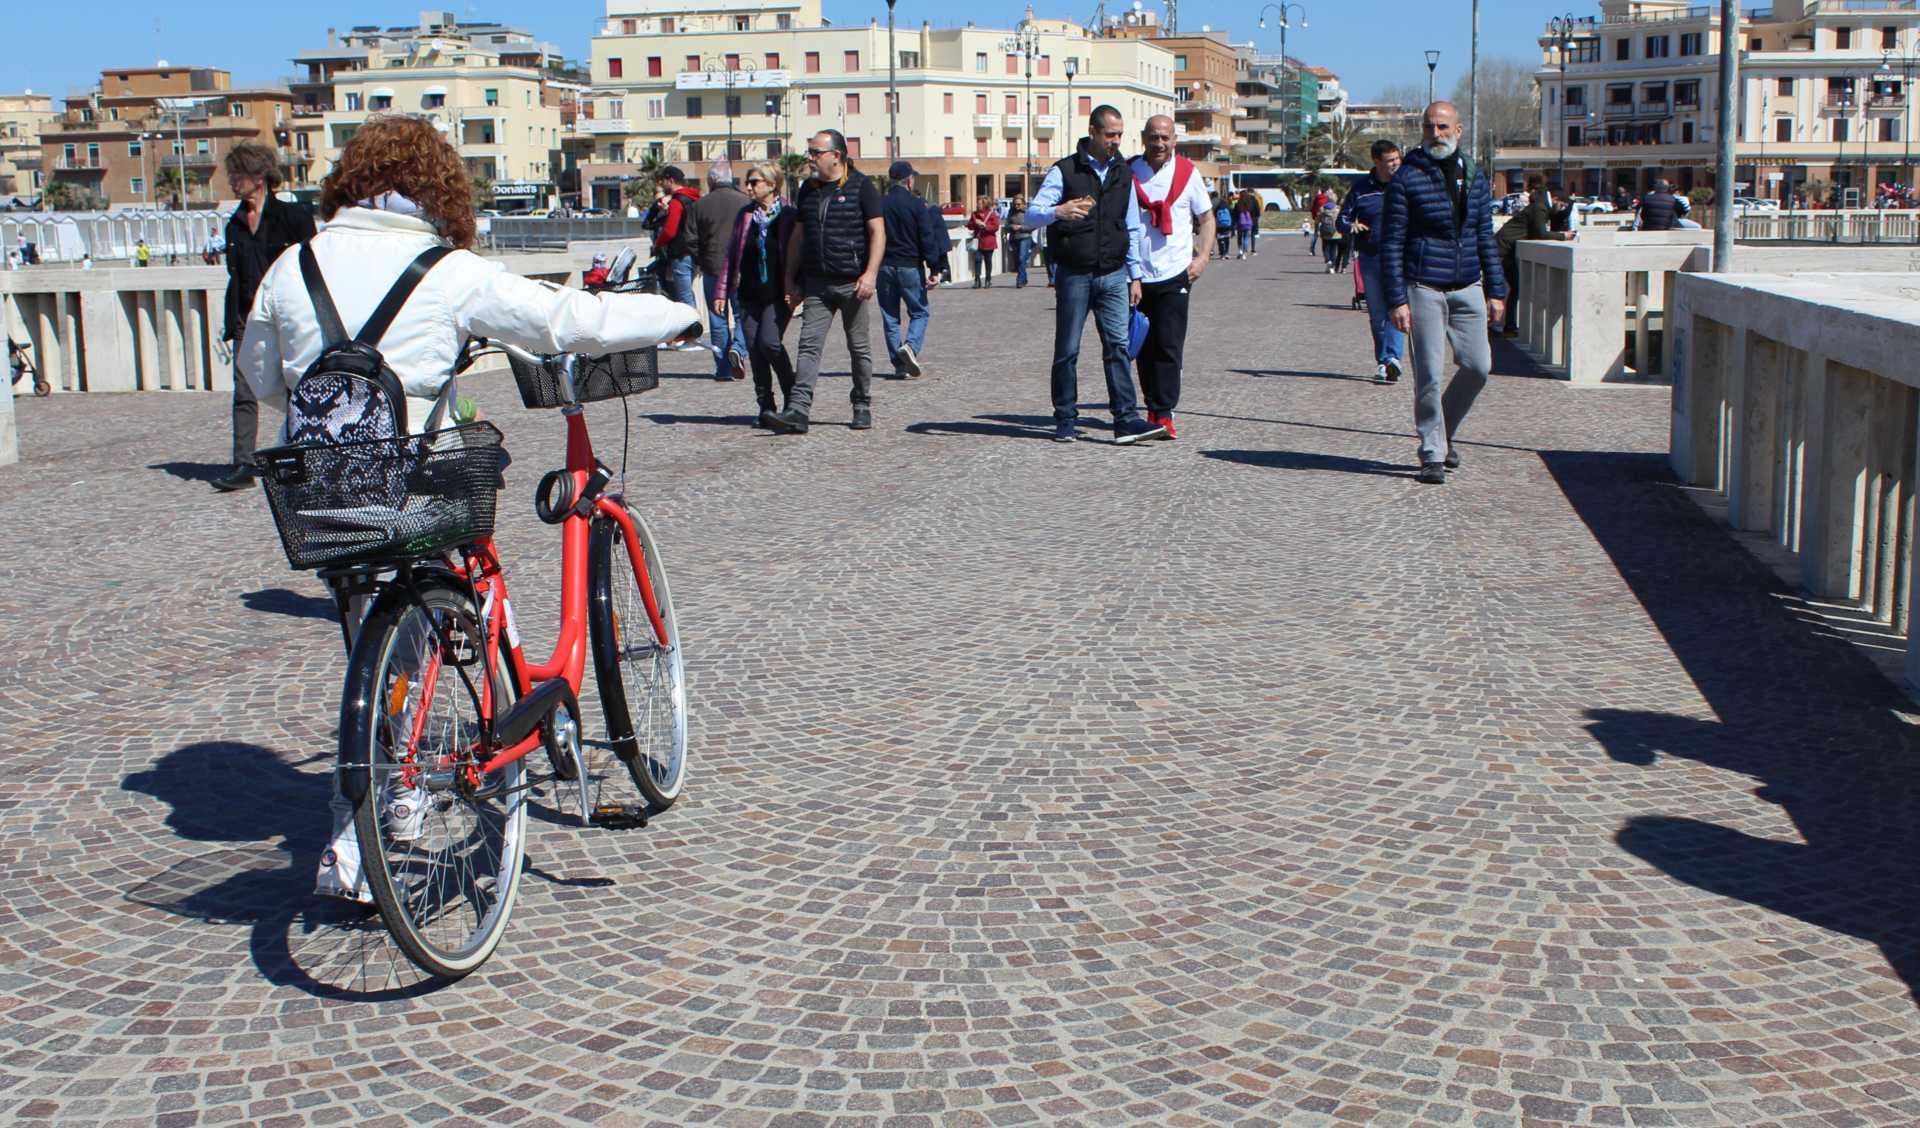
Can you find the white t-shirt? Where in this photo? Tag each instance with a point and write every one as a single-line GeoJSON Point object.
{"type": "Point", "coordinates": [1165, 256]}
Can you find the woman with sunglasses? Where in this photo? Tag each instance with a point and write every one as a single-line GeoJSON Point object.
{"type": "Point", "coordinates": [753, 273]}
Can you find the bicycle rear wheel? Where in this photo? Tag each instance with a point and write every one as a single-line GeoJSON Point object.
{"type": "Point", "coordinates": [442, 858]}
{"type": "Point", "coordinates": [642, 684]}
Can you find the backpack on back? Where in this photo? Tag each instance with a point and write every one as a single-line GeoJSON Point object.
{"type": "Point", "coordinates": [348, 394]}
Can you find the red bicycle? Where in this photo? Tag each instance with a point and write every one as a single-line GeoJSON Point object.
{"type": "Point", "coordinates": [442, 707]}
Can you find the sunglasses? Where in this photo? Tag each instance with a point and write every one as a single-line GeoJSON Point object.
{"type": "Point", "coordinates": [752, 180]}
{"type": "Point", "coordinates": [813, 152]}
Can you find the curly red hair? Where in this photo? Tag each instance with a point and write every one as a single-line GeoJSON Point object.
{"type": "Point", "coordinates": [405, 155]}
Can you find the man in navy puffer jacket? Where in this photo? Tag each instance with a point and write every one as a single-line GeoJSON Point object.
{"type": "Point", "coordinates": [1440, 273]}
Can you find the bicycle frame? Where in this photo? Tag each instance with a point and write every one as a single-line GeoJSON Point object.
{"type": "Point", "coordinates": [568, 661]}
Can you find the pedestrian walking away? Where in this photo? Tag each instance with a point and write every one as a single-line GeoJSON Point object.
{"type": "Point", "coordinates": [1246, 220]}
{"type": "Point", "coordinates": [1330, 239]}
{"type": "Point", "coordinates": [1535, 222]}
{"type": "Point", "coordinates": [1091, 212]}
{"type": "Point", "coordinates": [1019, 239]}
{"type": "Point", "coordinates": [833, 267]}
{"type": "Point", "coordinates": [1440, 276]}
{"type": "Point", "coordinates": [713, 223]}
{"type": "Point", "coordinates": [674, 244]}
{"type": "Point", "coordinates": [984, 223]}
{"type": "Point", "coordinates": [753, 278]}
{"type": "Point", "coordinates": [1172, 202]}
{"type": "Point", "coordinates": [1361, 216]}
{"type": "Point", "coordinates": [261, 228]}
{"type": "Point", "coordinates": [915, 257]}
{"type": "Point", "coordinates": [1222, 224]}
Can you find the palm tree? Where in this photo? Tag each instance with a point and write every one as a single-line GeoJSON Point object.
{"type": "Point", "coordinates": [794, 167]}
{"type": "Point", "coordinates": [176, 183]}
{"type": "Point", "coordinates": [482, 191]}
{"type": "Point", "coordinates": [60, 196]}
{"type": "Point", "coordinates": [640, 189]}
{"type": "Point", "coordinates": [1340, 143]}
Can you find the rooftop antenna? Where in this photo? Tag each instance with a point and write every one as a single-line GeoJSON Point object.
{"type": "Point", "coordinates": [1099, 17]}
{"type": "Point", "coordinates": [1173, 17]}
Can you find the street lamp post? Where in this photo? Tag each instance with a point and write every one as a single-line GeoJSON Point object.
{"type": "Point", "coordinates": [1286, 134]}
{"type": "Point", "coordinates": [730, 67]}
{"type": "Point", "coordinates": [1433, 61]}
{"type": "Point", "coordinates": [893, 94]}
{"type": "Point", "coordinates": [1026, 41]}
{"type": "Point", "coordinates": [1561, 29]}
{"type": "Point", "coordinates": [1073, 68]}
{"type": "Point", "coordinates": [1908, 63]}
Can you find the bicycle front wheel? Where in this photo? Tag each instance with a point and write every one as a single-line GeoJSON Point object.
{"type": "Point", "coordinates": [442, 854]}
{"type": "Point", "coordinates": [643, 687]}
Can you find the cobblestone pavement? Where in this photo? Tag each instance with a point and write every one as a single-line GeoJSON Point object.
{"type": "Point", "coordinates": [1233, 781]}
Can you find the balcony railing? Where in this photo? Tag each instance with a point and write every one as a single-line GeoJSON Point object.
{"type": "Point", "coordinates": [1199, 104]}
{"type": "Point", "coordinates": [1886, 102]}
{"type": "Point", "coordinates": [1046, 123]}
{"type": "Point", "coordinates": [1653, 107]}
{"type": "Point", "coordinates": [985, 122]}
{"type": "Point", "coordinates": [605, 125]}
{"type": "Point", "coordinates": [191, 160]}
{"type": "Point", "coordinates": [70, 164]}
{"type": "Point", "coordinates": [1838, 104]}
{"type": "Point", "coordinates": [1016, 123]}
{"type": "Point", "coordinates": [1619, 109]}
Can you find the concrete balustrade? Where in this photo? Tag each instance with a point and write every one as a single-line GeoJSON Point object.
{"type": "Point", "coordinates": [1797, 400]}
{"type": "Point", "coordinates": [1851, 225]}
{"type": "Point", "coordinates": [153, 329]}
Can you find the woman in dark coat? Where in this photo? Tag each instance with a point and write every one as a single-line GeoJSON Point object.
{"type": "Point", "coordinates": [754, 273]}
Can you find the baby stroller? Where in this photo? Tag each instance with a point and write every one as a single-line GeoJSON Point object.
{"type": "Point", "coordinates": [20, 364]}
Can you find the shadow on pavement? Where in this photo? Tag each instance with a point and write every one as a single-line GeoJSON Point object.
{"type": "Point", "coordinates": [1263, 373]}
{"type": "Point", "coordinates": [723, 420]}
{"type": "Point", "coordinates": [283, 601]}
{"type": "Point", "coordinates": [1807, 716]}
{"type": "Point", "coordinates": [1407, 434]}
{"type": "Point", "coordinates": [1308, 460]}
{"type": "Point", "coordinates": [194, 471]}
{"type": "Point", "coordinates": [272, 820]}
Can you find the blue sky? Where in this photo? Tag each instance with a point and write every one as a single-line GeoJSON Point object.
{"type": "Point", "coordinates": [1368, 42]}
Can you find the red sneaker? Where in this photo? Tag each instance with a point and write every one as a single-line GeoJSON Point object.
{"type": "Point", "coordinates": [1166, 420]}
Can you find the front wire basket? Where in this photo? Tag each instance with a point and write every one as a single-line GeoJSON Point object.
{"type": "Point", "coordinates": [383, 499]}
{"type": "Point", "coordinates": [606, 377]}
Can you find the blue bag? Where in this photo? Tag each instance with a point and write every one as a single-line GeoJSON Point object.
{"type": "Point", "coordinates": [1136, 333]}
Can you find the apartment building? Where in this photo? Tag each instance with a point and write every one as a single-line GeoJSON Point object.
{"type": "Point", "coordinates": [22, 117]}
{"type": "Point", "coordinates": [1824, 98]}
{"type": "Point", "coordinates": [690, 81]}
{"type": "Point", "coordinates": [1277, 105]}
{"type": "Point", "coordinates": [124, 140]}
{"type": "Point", "coordinates": [1205, 70]}
{"type": "Point", "coordinates": [498, 94]}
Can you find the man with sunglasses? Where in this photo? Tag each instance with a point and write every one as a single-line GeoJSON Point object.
{"type": "Point", "coordinates": [833, 266]}
{"type": "Point", "coordinates": [1088, 202]}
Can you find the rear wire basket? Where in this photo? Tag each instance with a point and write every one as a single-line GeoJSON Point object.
{"type": "Point", "coordinates": [383, 499]}
{"type": "Point", "coordinates": [607, 377]}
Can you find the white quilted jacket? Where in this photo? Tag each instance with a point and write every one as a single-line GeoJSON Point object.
{"type": "Point", "coordinates": [362, 251]}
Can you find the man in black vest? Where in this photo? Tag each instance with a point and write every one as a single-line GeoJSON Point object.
{"type": "Point", "coordinates": [1660, 210]}
{"type": "Point", "coordinates": [833, 265]}
{"type": "Point", "coordinates": [1089, 202]}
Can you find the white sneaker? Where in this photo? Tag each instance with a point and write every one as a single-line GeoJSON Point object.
{"type": "Point", "coordinates": [909, 363]}
{"type": "Point", "coordinates": [1379, 373]}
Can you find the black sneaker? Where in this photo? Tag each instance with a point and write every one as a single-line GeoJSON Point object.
{"type": "Point", "coordinates": [862, 419]}
{"type": "Point", "coordinates": [1393, 371]}
{"type": "Point", "coordinates": [792, 421]}
{"type": "Point", "coordinates": [1432, 474]}
{"type": "Point", "coordinates": [765, 422]}
{"type": "Point", "coordinates": [1065, 431]}
{"type": "Point", "coordinates": [1453, 458]}
{"type": "Point", "coordinates": [241, 477]}
{"type": "Point", "coordinates": [1133, 430]}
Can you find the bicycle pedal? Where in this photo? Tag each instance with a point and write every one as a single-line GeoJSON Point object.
{"type": "Point", "coordinates": [619, 816]}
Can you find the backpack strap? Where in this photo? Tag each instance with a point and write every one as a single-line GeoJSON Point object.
{"type": "Point", "coordinates": [331, 331]}
{"type": "Point", "coordinates": [389, 307]}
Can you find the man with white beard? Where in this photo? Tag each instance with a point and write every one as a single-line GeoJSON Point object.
{"type": "Point", "coordinates": [1440, 270]}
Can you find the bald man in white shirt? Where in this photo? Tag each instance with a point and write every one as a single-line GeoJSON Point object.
{"type": "Point", "coordinates": [1172, 199]}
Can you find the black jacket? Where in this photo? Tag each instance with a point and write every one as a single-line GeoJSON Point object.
{"type": "Point", "coordinates": [250, 253]}
{"type": "Point", "coordinates": [833, 227]}
{"type": "Point", "coordinates": [1659, 211]}
{"type": "Point", "coordinates": [1099, 242]}
{"type": "Point", "coordinates": [913, 235]}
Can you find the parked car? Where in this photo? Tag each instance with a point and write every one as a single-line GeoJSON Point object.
{"type": "Point", "coordinates": [1754, 203]}
{"type": "Point", "coordinates": [1513, 203]}
{"type": "Point", "coordinates": [1587, 204]}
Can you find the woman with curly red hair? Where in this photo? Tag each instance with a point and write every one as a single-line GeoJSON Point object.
{"type": "Point", "coordinates": [398, 189]}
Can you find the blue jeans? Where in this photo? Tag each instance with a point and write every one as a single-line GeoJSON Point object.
{"type": "Point", "coordinates": [897, 285]}
{"type": "Point", "coordinates": [1022, 251]}
{"type": "Point", "coordinates": [1077, 291]}
{"type": "Point", "coordinates": [678, 280]}
{"type": "Point", "coordinates": [1388, 343]}
{"type": "Point", "coordinates": [725, 338]}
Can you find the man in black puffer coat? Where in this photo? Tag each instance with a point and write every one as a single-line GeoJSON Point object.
{"type": "Point", "coordinates": [1440, 268]}
{"type": "Point", "coordinates": [1660, 211]}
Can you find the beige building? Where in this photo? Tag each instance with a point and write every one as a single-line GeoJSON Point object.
{"type": "Point", "coordinates": [22, 117]}
{"type": "Point", "coordinates": [688, 81]}
{"type": "Point", "coordinates": [496, 93]}
{"type": "Point", "coordinates": [1824, 98]}
{"type": "Point", "coordinates": [1205, 67]}
{"type": "Point", "coordinates": [144, 129]}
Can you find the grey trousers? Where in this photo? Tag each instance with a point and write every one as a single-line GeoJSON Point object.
{"type": "Point", "coordinates": [823, 300]}
{"type": "Point", "coordinates": [1442, 318]}
{"type": "Point", "coordinates": [246, 421]}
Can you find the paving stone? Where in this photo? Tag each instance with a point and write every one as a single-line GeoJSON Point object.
{"type": "Point", "coordinates": [1235, 780]}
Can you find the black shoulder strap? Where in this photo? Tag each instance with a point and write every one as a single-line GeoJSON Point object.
{"type": "Point", "coordinates": [331, 331]}
{"type": "Point", "coordinates": [389, 307]}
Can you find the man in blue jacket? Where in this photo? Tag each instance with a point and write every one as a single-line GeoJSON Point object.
{"type": "Point", "coordinates": [912, 263]}
{"type": "Point", "coordinates": [1360, 218]}
{"type": "Point", "coordinates": [1440, 277]}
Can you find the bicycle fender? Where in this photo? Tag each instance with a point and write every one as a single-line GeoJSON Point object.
{"type": "Point", "coordinates": [359, 696]}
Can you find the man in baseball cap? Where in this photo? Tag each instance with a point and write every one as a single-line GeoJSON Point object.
{"type": "Point", "coordinates": [915, 259]}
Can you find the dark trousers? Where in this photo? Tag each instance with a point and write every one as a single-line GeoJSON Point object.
{"type": "Point", "coordinates": [1510, 262]}
{"type": "Point", "coordinates": [1161, 356]}
{"type": "Point", "coordinates": [764, 324]}
{"type": "Point", "coordinates": [246, 420]}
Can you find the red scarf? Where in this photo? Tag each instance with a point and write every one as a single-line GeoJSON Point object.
{"type": "Point", "coordinates": [1160, 212]}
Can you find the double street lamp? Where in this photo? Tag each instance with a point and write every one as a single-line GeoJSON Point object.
{"type": "Point", "coordinates": [1909, 62]}
{"type": "Point", "coordinates": [1026, 43]}
{"type": "Point", "coordinates": [735, 70]}
{"type": "Point", "coordinates": [1291, 94]}
{"type": "Point", "coordinates": [1561, 29]}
